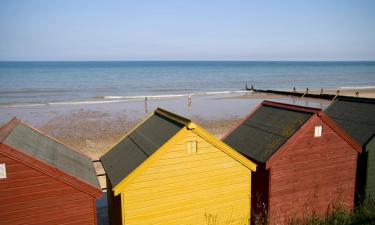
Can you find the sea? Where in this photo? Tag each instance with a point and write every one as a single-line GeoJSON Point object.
{"type": "Point", "coordinates": [48, 83]}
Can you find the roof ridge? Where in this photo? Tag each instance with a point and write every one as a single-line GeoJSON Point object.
{"type": "Point", "coordinates": [8, 127]}
{"type": "Point", "coordinates": [179, 119]}
{"type": "Point", "coordinates": [291, 107]}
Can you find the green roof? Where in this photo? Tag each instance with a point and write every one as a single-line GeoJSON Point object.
{"type": "Point", "coordinates": [49, 151]}
{"type": "Point", "coordinates": [354, 115]}
{"type": "Point", "coordinates": [141, 143]}
{"type": "Point", "coordinates": [266, 130]}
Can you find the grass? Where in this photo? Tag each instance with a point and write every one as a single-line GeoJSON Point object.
{"type": "Point", "coordinates": [363, 214]}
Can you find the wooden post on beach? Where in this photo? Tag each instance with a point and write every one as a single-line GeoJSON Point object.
{"type": "Point", "coordinates": [146, 105]}
{"type": "Point", "coordinates": [294, 89]}
{"type": "Point", "coordinates": [321, 91]}
{"type": "Point", "coordinates": [337, 94]}
{"type": "Point", "coordinates": [189, 101]}
{"type": "Point", "coordinates": [357, 93]}
{"type": "Point", "coordinates": [306, 92]}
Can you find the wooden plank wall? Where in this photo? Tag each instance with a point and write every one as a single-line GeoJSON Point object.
{"type": "Point", "coordinates": [370, 184]}
{"type": "Point", "coordinates": [312, 176]}
{"type": "Point", "coordinates": [28, 196]}
{"type": "Point", "coordinates": [196, 188]}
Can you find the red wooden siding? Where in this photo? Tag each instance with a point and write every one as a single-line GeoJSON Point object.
{"type": "Point", "coordinates": [29, 196]}
{"type": "Point", "coordinates": [311, 174]}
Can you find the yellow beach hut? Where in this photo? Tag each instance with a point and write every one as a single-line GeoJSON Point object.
{"type": "Point", "coordinates": [168, 170]}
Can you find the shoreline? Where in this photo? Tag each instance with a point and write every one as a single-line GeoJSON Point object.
{"type": "Point", "coordinates": [363, 91]}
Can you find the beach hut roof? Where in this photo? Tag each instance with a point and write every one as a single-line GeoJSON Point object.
{"type": "Point", "coordinates": [140, 143]}
{"type": "Point", "coordinates": [45, 149]}
{"type": "Point", "coordinates": [355, 115]}
{"type": "Point", "coordinates": [266, 129]}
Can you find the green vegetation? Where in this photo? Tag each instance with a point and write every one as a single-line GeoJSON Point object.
{"type": "Point", "coordinates": [363, 214]}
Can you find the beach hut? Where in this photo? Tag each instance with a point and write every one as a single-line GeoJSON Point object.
{"type": "Point", "coordinates": [42, 181]}
{"type": "Point", "coordinates": [168, 170]}
{"type": "Point", "coordinates": [357, 117]}
{"type": "Point", "coordinates": [306, 164]}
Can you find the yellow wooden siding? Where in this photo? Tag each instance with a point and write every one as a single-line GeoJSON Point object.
{"type": "Point", "coordinates": [184, 188]}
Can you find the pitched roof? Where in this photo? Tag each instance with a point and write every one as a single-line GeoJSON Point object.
{"type": "Point", "coordinates": [47, 150]}
{"type": "Point", "coordinates": [265, 130]}
{"type": "Point", "coordinates": [140, 144]}
{"type": "Point", "coordinates": [354, 115]}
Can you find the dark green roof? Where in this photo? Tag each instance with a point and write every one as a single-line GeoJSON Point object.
{"type": "Point", "coordinates": [49, 151]}
{"type": "Point", "coordinates": [354, 115]}
{"type": "Point", "coordinates": [141, 143]}
{"type": "Point", "coordinates": [264, 131]}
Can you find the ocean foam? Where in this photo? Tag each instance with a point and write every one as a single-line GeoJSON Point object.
{"type": "Point", "coordinates": [358, 87]}
{"type": "Point", "coordinates": [115, 99]}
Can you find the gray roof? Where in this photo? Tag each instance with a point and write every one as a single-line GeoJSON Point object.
{"type": "Point", "coordinates": [49, 151]}
{"type": "Point", "coordinates": [263, 133]}
{"type": "Point", "coordinates": [354, 115]}
{"type": "Point", "coordinates": [141, 143]}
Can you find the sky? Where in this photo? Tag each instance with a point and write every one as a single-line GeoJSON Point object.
{"type": "Point", "coordinates": [187, 30]}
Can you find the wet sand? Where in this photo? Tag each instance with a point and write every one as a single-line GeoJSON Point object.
{"type": "Point", "coordinates": [94, 128]}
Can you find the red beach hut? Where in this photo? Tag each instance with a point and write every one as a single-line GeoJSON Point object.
{"type": "Point", "coordinates": [306, 163]}
{"type": "Point", "coordinates": [42, 181]}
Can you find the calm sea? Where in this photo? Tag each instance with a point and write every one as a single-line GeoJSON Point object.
{"type": "Point", "coordinates": [33, 83]}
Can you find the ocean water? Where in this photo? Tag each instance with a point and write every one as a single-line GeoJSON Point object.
{"type": "Point", "coordinates": [40, 83]}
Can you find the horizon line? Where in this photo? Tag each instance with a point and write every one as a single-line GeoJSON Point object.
{"type": "Point", "coordinates": [185, 60]}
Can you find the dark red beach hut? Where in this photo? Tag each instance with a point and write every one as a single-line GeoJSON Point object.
{"type": "Point", "coordinates": [306, 163]}
{"type": "Point", "coordinates": [42, 181]}
{"type": "Point", "coordinates": [357, 117]}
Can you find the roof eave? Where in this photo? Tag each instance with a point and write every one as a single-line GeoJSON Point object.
{"type": "Point", "coordinates": [48, 169]}
{"type": "Point", "coordinates": [225, 148]}
{"type": "Point", "coordinates": [356, 146]}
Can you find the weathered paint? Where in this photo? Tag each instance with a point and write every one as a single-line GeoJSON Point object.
{"type": "Point", "coordinates": [312, 174]}
{"type": "Point", "coordinates": [31, 196]}
{"type": "Point", "coordinates": [370, 151]}
{"type": "Point", "coordinates": [181, 188]}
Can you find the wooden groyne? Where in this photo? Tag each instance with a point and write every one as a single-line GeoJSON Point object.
{"type": "Point", "coordinates": [296, 93]}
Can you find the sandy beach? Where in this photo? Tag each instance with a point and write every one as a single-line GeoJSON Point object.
{"type": "Point", "coordinates": [93, 128]}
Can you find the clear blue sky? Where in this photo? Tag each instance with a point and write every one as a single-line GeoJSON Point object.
{"type": "Point", "coordinates": [187, 30]}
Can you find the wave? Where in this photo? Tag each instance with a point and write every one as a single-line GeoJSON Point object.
{"type": "Point", "coordinates": [115, 99]}
{"type": "Point", "coordinates": [142, 97]}
{"type": "Point", "coordinates": [22, 105]}
{"type": "Point", "coordinates": [357, 87]}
